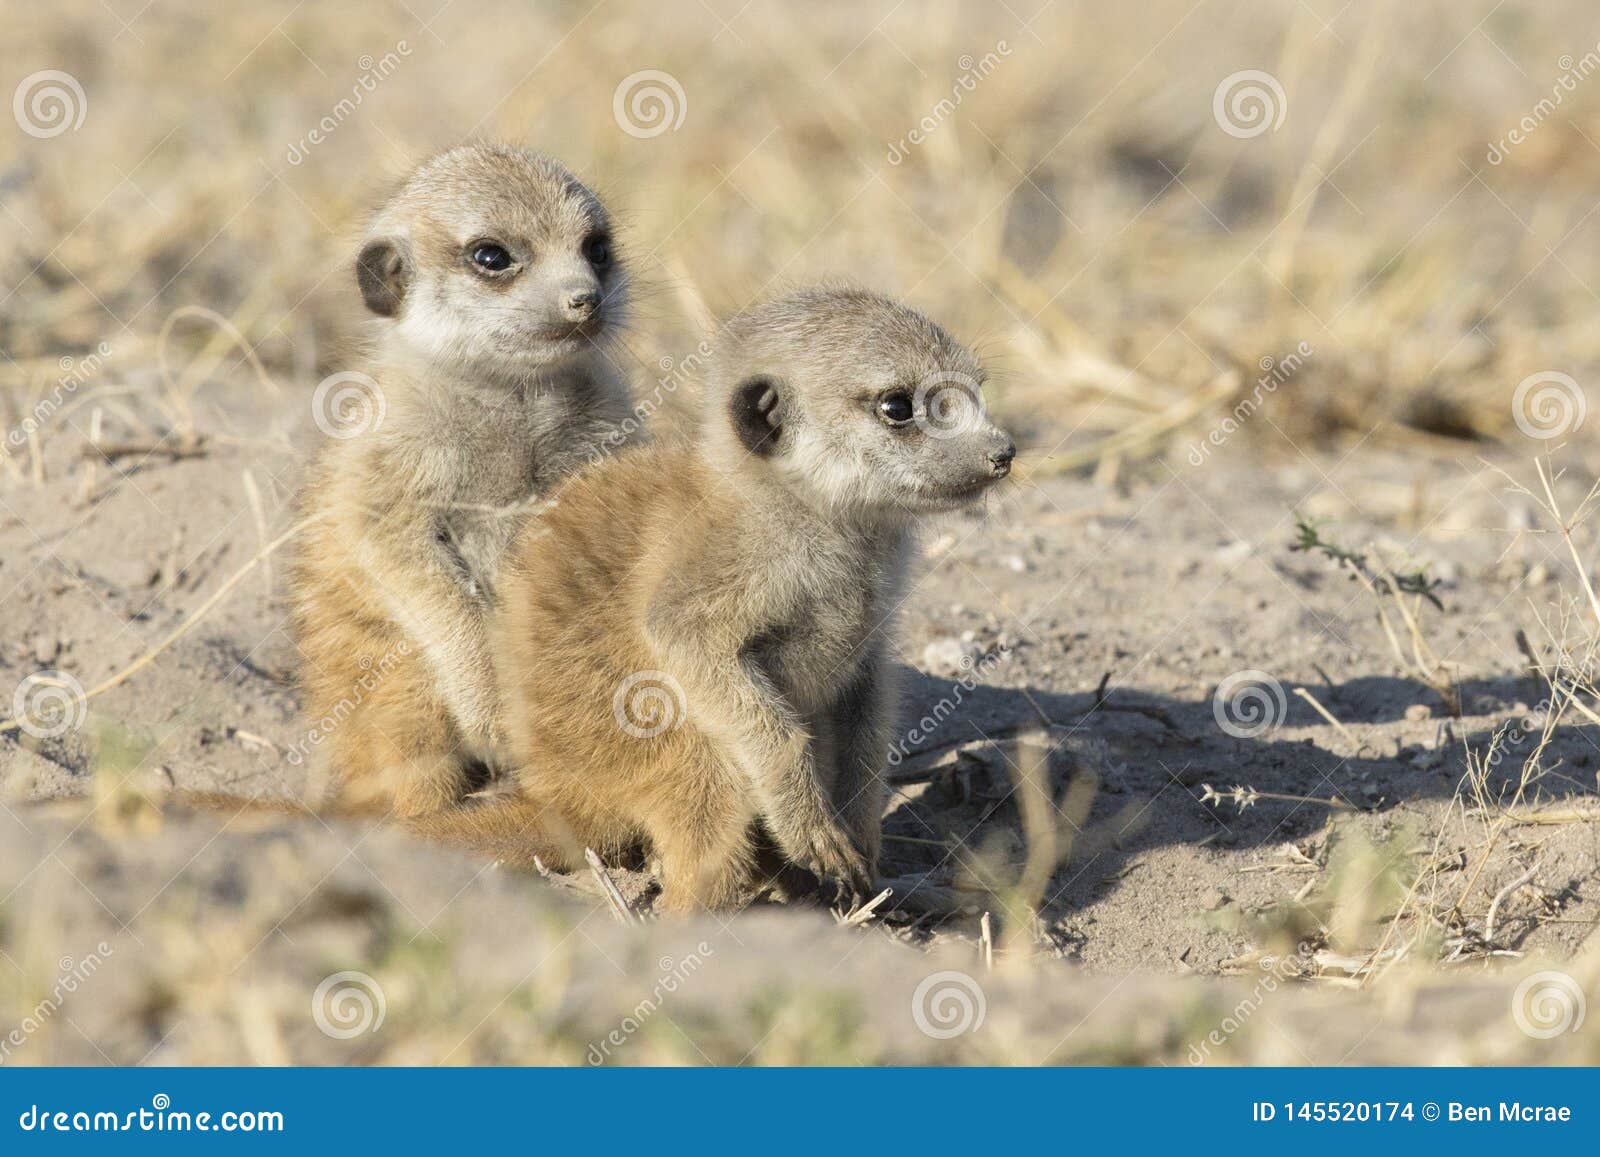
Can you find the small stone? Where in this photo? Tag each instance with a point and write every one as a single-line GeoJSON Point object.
{"type": "Point", "coordinates": [949, 656]}
{"type": "Point", "coordinates": [1214, 899]}
{"type": "Point", "coordinates": [1417, 712]}
{"type": "Point", "coordinates": [46, 648]}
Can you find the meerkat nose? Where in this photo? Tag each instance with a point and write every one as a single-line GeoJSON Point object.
{"type": "Point", "coordinates": [1000, 459]}
{"type": "Point", "coordinates": [580, 303]}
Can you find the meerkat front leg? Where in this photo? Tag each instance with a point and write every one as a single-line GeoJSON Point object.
{"type": "Point", "coordinates": [778, 755]}
{"type": "Point", "coordinates": [741, 707]}
{"type": "Point", "coordinates": [427, 591]}
{"type": "Point", "coordinates": [863, 721]}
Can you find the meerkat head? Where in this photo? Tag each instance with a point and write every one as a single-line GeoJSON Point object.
{"type": "Point", "coordinates": [495, 256]}
{"type": "Point", "coordinates": [857, 401]}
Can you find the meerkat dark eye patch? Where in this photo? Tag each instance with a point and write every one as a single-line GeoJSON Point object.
{"type": "Point", "coordinates": [756, 411]}
{"type": "Point", "coordinates": [383, 274]}
{"type": "Point", "coordinates": [597, 250]}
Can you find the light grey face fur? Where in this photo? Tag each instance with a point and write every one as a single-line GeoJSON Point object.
{"type": "Point", "coordinates": [494, 257]}
{"type": "Point", "coordinates": [861, 403]}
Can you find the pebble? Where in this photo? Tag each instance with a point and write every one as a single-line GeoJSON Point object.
{"type": "Point", "coordinates": [1214, 899]}
{"type": "Point", "coordinates": [950, 656]}
{"type": "Point", "coordinates": [1417, 712]}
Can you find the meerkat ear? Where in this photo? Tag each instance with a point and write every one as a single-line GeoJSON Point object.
{"type": "Point", "coordinates": [757, 413]}
{"type": "Point", "coordinates": [383, 273]}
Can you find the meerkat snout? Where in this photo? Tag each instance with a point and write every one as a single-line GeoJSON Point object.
{"type": "Point", "coordinates": [580, 299]}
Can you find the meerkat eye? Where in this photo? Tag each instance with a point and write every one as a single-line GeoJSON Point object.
{"type": "Point", "coordinates": [488, 256]}
{"type": "Point", "coordinates": [897, 408]}
{"type": "Point", "coordinates": [597, 250]}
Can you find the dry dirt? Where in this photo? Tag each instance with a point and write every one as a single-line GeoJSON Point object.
{"type": "Point", "coordinates": [1170, 580]}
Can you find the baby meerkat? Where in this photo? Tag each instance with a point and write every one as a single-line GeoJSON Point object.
{"type": "Point", "coordinates": [494, 284]}
{"type": "Point", "coordinates": [694, 643]}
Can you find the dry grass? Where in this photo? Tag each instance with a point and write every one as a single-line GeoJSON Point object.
{"type": "Point", "coordinates": [1125, 262]}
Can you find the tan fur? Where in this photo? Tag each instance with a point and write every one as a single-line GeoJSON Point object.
{"type": "Point", "coordinates": [495, 387]}
{"type": "Point", "coordinates": [752, 579]}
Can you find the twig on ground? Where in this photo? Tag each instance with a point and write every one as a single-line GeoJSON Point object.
{"type": "Point", "coordinates": [619, 906]}
{"type": "Point", "coordinates": [864, 912]}
{"type": "Point", "coordinates": [1326, 714]}
{"type": "Point", "coordinates": [1245, 797]}
{"type": "Point", "coordinates": [1500, 896]}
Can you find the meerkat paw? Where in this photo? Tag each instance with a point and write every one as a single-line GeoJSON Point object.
{"type": "Point", "coordinates": [829, 854]}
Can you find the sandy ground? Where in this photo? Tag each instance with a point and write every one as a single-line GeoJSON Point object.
{"type": "Point", "coordinates": [1171, 580]}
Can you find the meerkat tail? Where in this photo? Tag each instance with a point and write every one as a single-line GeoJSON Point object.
{"type": "Point", "coordinates": [221, 801]}
{"type": "Point", "coordinates": [515, 831]}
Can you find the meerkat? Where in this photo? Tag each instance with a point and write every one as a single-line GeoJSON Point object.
{"type": "Point", "coordinates": [494, 285]}
{"type": "Point", "coordinates": [694, 642]}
